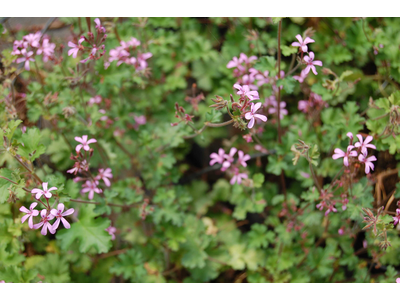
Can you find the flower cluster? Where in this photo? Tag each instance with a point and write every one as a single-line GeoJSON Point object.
{"type": "Point", "coordinates": [308, 60]}
{"type": "Point", "coordinates": [228, 163]}
{"type": "Point", "coordinates": [30, 43]}
{"type": "Point", "coordinates": [272, 105]}
{"type": "Point", "coordinates": [94, 44]}
{"type": "Point", "coordinates": [46, 214]}
{"type": "Point", "coordinates": [180, 113]}
{"type": "Point", "coordinates": [361, 152]}
{"type": "Point", "coordinates": [129, 54]}
{"type": "Point", "coordinates": [82, 162]}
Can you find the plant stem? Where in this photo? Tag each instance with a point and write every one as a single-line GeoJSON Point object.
{"type": "Point", "coordinates": [279, 77]}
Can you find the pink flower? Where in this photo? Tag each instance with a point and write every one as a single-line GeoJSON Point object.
{"type": "Point", "coordinates": [301, 77]}
{"type": "Point", "coordinates": [84, 143]}
{"type": "Point", "coordinates": [341, 231]}
{"type": "Point", "coordinates": [47, 49]}
{"type": "Point", "coordinates": [58, 213]}
{"type": "Point", "coordinates": [91, 187]}
{"type": "Point", "coordinates": [94, 100]}
{"type": "Point", "coordinates": [243, 58]}
{"type": "Point", "coordinates": [45, 223]}
{"type": "Point", "coordinates": [111, 230]}
{"type": "Point", "coordinates": [243, 158]}
{"type": "Point", "coordinates": [45, 192]}
{"type": "Point", "coordinates": [79, 167]}
{"type": "Point", "coordinates": [29, 214]}
{"type": "Point", "coordinates": [235, 63]}
{"type": "Point", "coordinates": [105, 174]}
{"type": "Point", "coordinates": [98, 25]}
{"type": "Point", "coordinates": [340, 153]}
{"type": "Point", "coordinates": [311, 63]}
{"type": "Point", "coordinates": [33, 39]}
{"type": "Point", "coordinates": [398, 280]}
{"type": "Point", "coordinates": [27, 58]}
{"type": "Point", "coordinates": [396, 218]}
{"type": "Point", "coordinates": [248, 138]}
{"type": "Point", "coordinates": [245, 91]}
{"type": "Point", "coordinates": [229, 158]}
{"type": "Point", "coordinates": [217, 158]}
{"type": "Point", "coordinates": [251, 115]}
{"type": "Point", "coordinates": [364, 144]}
{"type": "Point", "coordinates": [274, 110]}
{"type": "Point", "coordinates": [330, 209]}
{"type": "Point", "coordinates": [141, 61]}
{"type": "Point", "coordinates": [75, 47]}
{"type": "Point", "coordinates": [350, 135]}
{"type": "Point", "coordinates": [140, 120]}
{"type": "Point", "coordinates": [368, 162]}
{"type": "Point", "coordinates": [302, 44]}
{"type": "Point", "coordinates": [261, 78]}
{"type": "Point", "coordinates": [237, 177]}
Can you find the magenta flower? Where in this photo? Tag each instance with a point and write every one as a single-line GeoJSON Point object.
{"type": "Point", "coordinates": [243, 158]}
{"type": "Point", "coordinates": [58, 213]}
{"type": "Point", "coordinates": [140, 120]}
{"type": "Point", "coordinates": [141, 61]}
{"type": "Point", "coordinates": [75, 47]}
{"type": "Point", "coordinates": [111, 230]}
{"type": "Point", "coordinates": [91, 187]}
{"type": "Point", "coordinates": [396, 218]}
{"type": "Point", "coordinates": [251, 115]}
{"type": "Point", "coordinates": [27, 58]}
{"type": "Point", "coordinates": [311, 63]}
{"type": "Point", "coordinates": [30, 213]}
{"type": "Point", "coordinates": [302, 44]}
{"type": "Point", "coordinates": [245, 91]}
{"type": "Point", "coordinates": [368, 162]}
{"type": "Point", "coordinates": [84, 143]}
{"type": "Point", "coordinates": [105, 174]}
{"type": "Point", "coordinates": [237, 177]}
{"type": "Point", "coordinates": [331, 208]}
{"type": "Point", "coordinates": [217, 158]}
{"type": "Point", "coordinates": [243, 58]}
{"type": "Point", "coordinates": [398, 280]}
{"type": "Point", "coordinates": [45, 191]}
{"type": "Point", "coordinates": [364, 144]}
{"type": "Point", "coordinates": [341, 231]}
{"type": "Point", "coordinates": [340, 153]}
{"type": "Point", "coordinates": [45, 223]}
{"type": "Point", "coordinates": [350, 135]}
{"type": "Point", "coordinates": [33, 39]}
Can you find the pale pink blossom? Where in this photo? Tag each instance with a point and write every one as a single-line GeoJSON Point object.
{"type": "Point", "coordinates": [248, 79]}
{"type": "Point", "coordinates": [341, 231]}
{"type": "Point", "coordinates": [140, 120]}
{"type": "Point", "coordinates": [59, 215]}
{"type": "Point", "coordinates": [235, 63]}
{"type": "Point", "coordinates": [368, 162]}
{"type": "Point", "coordinates": [238, 177]}
{"type": "Point", "coordinates": [45, 191]}
{"type": "Point", "coordinates": [350, 135]}
{"type": "Point", "coordinates": [79, 167]}
{"type": "Point", "coordinates": [141, 63]}
{"type": "Point", "coordinates": [274, 110]}
{"type": "Point", "coordinates": [302, 76]}
{"type": "Point", "coordinates": [94, 100]}
{"type": "Point", "coordinates": [311, 63]}
{"type": "Point", "coordinates": [105, 174]}
{"type": "Point", "coordinates": [217, 158]}
{"type": "Point", "coordinates": [45, 223]}
{"type": "Point", "coordinates": [398, 280]}
{"type": "Point", "coordinates": [243, 158]}
{"type": "Point", "coordinates": [75, 47]}
{"type": "Point", "coordinates": [331, 208]}
{"type": "Point", "coordinates": [33, 39]}
{"type": "Point", "coordinates": [262, 78]}
{"type": "Point", "coordinates": [251, 115]}
{"type": "Point", "coordinates": [47, 49]}
{"type": "Point", "coordinates": [111, 230]}
{"type": "Point", "coordinates": [245, 91]}
{"type": "Point", "coordinates": [27, 58]}
{"type": "Point", "coordinates": [396, 218]}
{"type": "Point", "coordinates": [364, 144]}
{"type": "Point", "coordinates": [98, 25]}
{"type": "Point", "coordinates": [340, 153]}
{"type": "Point", "coordinates": [244, 59]}
{"type": "Point", "coordinates": [229, 159]}
{"type": "Point", "coordinates": [84, 143]}
{"type": "Point", "coordinates": [30, 213]}
{"type": "Point", "coordinates": [91, 187]}
{"type": "Point", "coordinates": [302, 44]}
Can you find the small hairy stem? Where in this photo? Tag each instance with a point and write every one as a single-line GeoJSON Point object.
{"type": "Point", "coordinates": [207, 124]}
{"type": "Point", "coordinates": [29, 170]}
{"type": "Point", "coordinates": [279, 77]}
{"type": "Point", "coordinates": [25, 189]}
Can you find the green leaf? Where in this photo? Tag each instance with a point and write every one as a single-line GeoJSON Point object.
{"type": "Point", "coordinates": [276, 165]}
{"type": "Point", "coordinates": [12, 125]}
{"type": "Point", "coordinates": [288, 84]}
{"type": "Point", "coordinates": [287, 51]}
{"type": "Point", "coordinates": [259, 236]}
{"type": "Point", "coordinates": [130, 266]}
{"type": "Point", "coordinates": [31, 148]}
{"type": "Point", "coordinates": [258, 180]}
{"type": "Point", "coordinates": [88, 230]}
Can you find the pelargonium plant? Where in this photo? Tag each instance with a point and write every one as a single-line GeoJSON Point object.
{"type": "Point", "coordinates": [200, 150]}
